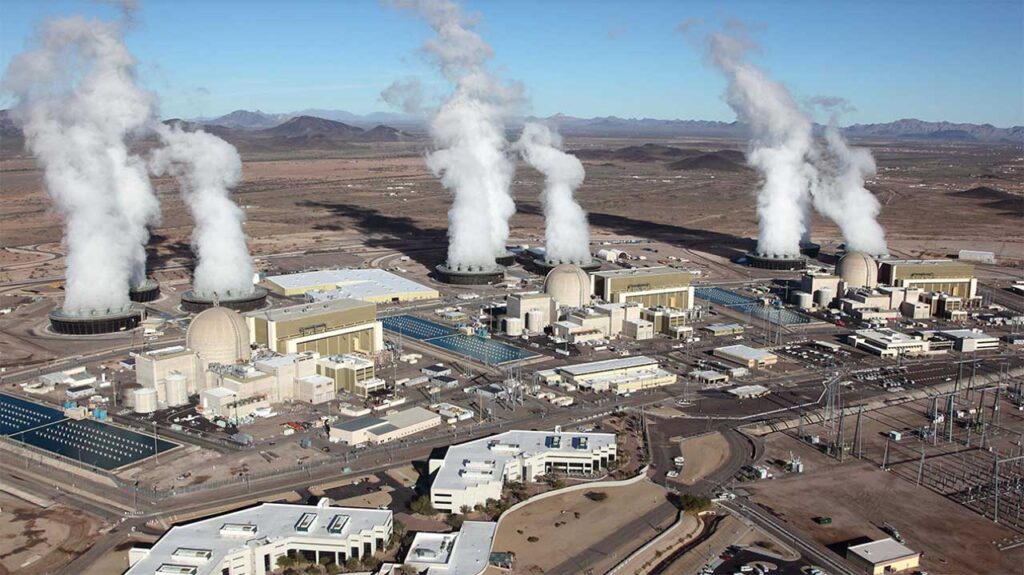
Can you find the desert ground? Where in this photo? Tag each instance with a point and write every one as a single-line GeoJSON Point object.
{"type": "Point", "coordinates": [570, 533]}
{"type": "Point", "coordinates": [37, 540]}
{"type": "Point", "coordinates": [703, 455]}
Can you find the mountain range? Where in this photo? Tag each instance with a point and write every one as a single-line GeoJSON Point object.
{"type": "Point", "coordinates": [906, 129]}
{"type": "Point", "coordinates": [326, 129]}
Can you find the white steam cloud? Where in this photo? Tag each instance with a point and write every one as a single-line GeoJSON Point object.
{"type": "Point", "coordinates": [206, 168]}
{"type": "Point", "coordinates": [839, 193]}
{"type": "Point", "coordinates": [780, 145]}
{"type": "Point", "coordinates": [797, 170]}
{"type": "Point", "coordinates": [77, 102]}
{"type": "Point", "coordinates": [471, 155]}
{"type": "Point", "coordinates": [566, 233]}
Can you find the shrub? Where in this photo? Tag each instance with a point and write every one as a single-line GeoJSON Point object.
{"type": "Point", "coordinates": [596, 495]}
{"type": "Point", "coordinates": [423, 506]}
{"type": "Point", "coordinates": [533, 539]}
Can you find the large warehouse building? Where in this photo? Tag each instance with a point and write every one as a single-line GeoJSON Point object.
{"type": "Point", "coordinates": [622, 375]}
{"type": "Point", "coordinates": [249, 541]}
{"type": "Point", "coordinates": [328, 328]}
{"type": "Point", "coordinates": [946, 276]}
{"type": "Point", "coordinates": [471, 473]}
{"type": "Point", "coordinates": [370, 429]}
{"type": "Point", "coordinates": [372, 285]}
{"type": "Point", "coordinates": [649, 287]}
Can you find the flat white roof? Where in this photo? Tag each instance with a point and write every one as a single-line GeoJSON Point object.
{"type": "Point", "coordinates": [464, 553]}
{"type": "Point", "coordinates": [651, 271]}
{"type": "Point", "coordinates": [966, 334]}
{"type": "Point", "coordinates": [745, 390]}
{"type": "Point", "coordinates": [882, 551]}
{"type": "Point", "coordinates": [608, 365]}
{"type": "Point", "coordinates": [349, 283]}
{"type": "Point", "coordinates": [511, 445]}
{"type": "Point", "coordinates": [308, 309]}
{"type": "Point", "coordinates": [746, 352]}
{"type": "Point", "coordinates": [225, 534]}
{"type": "Point", "coordinates": [348, 360]}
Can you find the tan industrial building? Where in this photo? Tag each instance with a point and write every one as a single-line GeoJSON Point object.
{"type": "Point", "coordinates": [746, 356]}
{"type": "Point", "coordinates": [153, 367]}
{"type": "Point", "coordinates": [668, 321]}
{"type": "Point", "coordinates": [946, 276]}
{"type": "Point", "coordinates": [328, 328]}
{"type": "Point", "coordinates": [649, 287]}
{"type": "Point", "coordinates": [371, 429]}
{"type": "Point", "coordinates": [535, 310]}
{"type": "Point", "coordinates": [351, 373]}
{"type": "Point", "coordinates": [372, 285]}
{"type": "Point", "coordinates": [622, 375]}
{"type": "Point", "coordinates": [883, 556]}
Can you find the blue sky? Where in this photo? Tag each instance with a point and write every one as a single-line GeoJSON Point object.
{"type": "Point", "coordinates": [930, 59]}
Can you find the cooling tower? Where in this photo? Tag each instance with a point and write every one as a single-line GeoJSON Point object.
{"type": "Point", "coordinates": [95, 322]}
{"type": "Point", "coordinates": [193, 301]}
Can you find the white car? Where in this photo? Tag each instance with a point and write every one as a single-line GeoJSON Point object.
{"type": "Point", "coordinates": [672, 474]}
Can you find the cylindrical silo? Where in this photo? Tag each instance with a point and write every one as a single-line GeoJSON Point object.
{"type": "Point", "coordinates": [145, 400]}
{"type": "Point", "coordinates": [803, 300]}
{"type": "Point", "coordinates": [823, 296]}
{"type": "Point", "coordinates": [176, 389]}
{"type": "Point", "coordinates": [514, 326]}
{"type": "Point", "coordinates": [534, 321]}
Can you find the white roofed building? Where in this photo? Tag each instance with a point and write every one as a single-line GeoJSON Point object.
{"type": "Point", "coordinates": [473, 472]}
{"type": "Point", "coordinates": [249, 541]}
{"type": "Point", "coordinates": [372, 285]}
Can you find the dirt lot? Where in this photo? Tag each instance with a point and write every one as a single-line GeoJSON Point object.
{"type": "Point", "coordinates": [703, 455]}
{"type": "Point", "coordinates": [860, 498]}
{"type": "Point", "coordinates": [547, 536]}
{"type": "Point", "coordinates": [35, 540]}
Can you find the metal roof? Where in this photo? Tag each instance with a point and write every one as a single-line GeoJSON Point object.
{"type": "Point", "coordinates": [350, 283]}
{"type": "Point", "coordinates": [882, 551]}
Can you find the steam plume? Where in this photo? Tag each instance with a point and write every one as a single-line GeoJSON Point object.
{"type": "Point", "coordinates": [206, 168]}
{"type": "Point", "coordinates": [839, 193]}
{"type": "Point", "coordinates": [797, 170]}
{"type": "Point", "coordinates": [77, 102]}
{"type": "Point", "coordinates": [567, 236]}
{"type": "Point", "coordinates": [468, 131]}
{"type": "Point", "coordinates": [780, 145]}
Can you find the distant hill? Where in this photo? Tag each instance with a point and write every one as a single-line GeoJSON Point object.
{"type": "Point", "coordinates": [309, 126]}
{"type": "Point", "coordinates": [994, 198]}
{"type": "Point", "coordinates": [720, 161]}
{"type": "Point", "coordinates": [246, 120]}
{"type": "Point", "coordinates": [911, 129]}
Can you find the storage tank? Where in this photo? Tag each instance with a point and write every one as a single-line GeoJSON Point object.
{"type": "Point", "coordinates": [823, 296]}
{"type": "Point", "coordinates": [176, 389]}
{"type": "Point", "coordinates": [514, 326]}
{"type": "Point", "coordinates": [535, 321]}
{"type": "Point", "coordinates": [145, 400]}
{"type": "Point", "coordinates": [803, 300]}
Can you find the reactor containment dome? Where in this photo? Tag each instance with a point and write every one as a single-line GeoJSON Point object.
{"type": "Point", "coordinates": [568, 285]}
{"type": "Point", "coordinates": [219, 335]}
{"type": "Point", "coordinates": [858, 270]}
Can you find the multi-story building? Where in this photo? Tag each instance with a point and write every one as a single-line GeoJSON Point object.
{"type": "Point", "coordinates": [471, 473]}
{"type": "Point", "coordinates": [328, 328]}
{"type": "Point", "coordinates": [946, 276]}
{"type": "Point", "coordinates": [888, 342]}
{"type": "Point", "coordinates": [351, 373]}
{"type": "Point", "coordinates": [649, 287]}
{"type": "Point", "coordinates": [250, 541]}
{"type": "Point", "coordinates": [536, 310]}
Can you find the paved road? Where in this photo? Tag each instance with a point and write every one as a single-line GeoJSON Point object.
{"type": "Point", "coordinates": [810, 550]}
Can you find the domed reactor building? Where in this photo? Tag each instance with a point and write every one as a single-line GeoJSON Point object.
{"type": "Point", "coordinates": [858, 270]}
{"type": "Point", "coordinates": [568, 285]}
{"type": "Point", "coordinates": [194, 301]}
{"type": "Point", "coordinates": [219, 335]}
